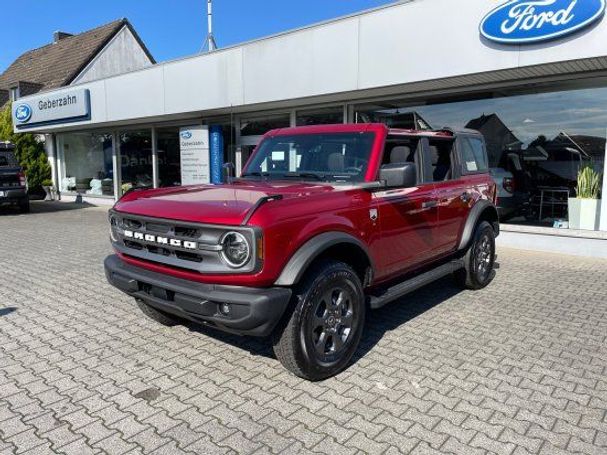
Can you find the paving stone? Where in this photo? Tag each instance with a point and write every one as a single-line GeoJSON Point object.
{"type": "Point", "coordinates": [517, 368]}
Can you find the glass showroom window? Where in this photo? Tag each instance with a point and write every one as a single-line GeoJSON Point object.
{"type": "Point", "coordinates": [169, 157]}
{"type": "Point", "coordinates": [261, 125]}
{"type": "Point", "coordinates": [325, 116]}
{"type": "Point", "coordinates": [136, 159]}
{"type": "Point", "coordinates": [536, 143]}
{"type": "Point", "coordinates": [86, 163]}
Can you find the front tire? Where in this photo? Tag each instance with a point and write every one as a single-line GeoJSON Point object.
{"type": "Point", "coordinates": [319, 337]}
{"type": "Point", "coordinates": [479, 260]}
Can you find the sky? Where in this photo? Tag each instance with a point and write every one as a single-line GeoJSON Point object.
{"type": "Point", "coordinates": [170, 28]}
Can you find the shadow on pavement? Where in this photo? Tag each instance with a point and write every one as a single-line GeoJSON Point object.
{"type": "Point", "coordinates": [7, 311]}
{"type": "Point", "coordinates": [379, 322]}
{"type": "Point", "coordinates": [38, 207]}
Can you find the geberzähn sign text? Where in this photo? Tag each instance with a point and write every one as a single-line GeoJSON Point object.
{"type": "Point", "coordinates": [533, 21]}
{"type": "Point", "coordinates": [67, 106]}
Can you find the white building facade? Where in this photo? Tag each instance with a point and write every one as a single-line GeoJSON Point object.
{"type": "Point", "coordinates": [531, 77]}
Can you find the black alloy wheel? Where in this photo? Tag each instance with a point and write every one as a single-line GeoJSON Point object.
{"type": "Point", "coordinates": [479, 260]}
{"type": "Point", "coordinates": [319, 335]}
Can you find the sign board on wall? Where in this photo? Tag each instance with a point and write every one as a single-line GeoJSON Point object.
{"type": "Point", "coordinates": [194, 147]}
{"type": "Point", "coordinates": [71, 105]}
{"type": "Point", "coordinates": [533, 21]}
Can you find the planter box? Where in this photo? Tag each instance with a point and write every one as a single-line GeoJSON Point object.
{"type": "Point", "coordinates": [584, 214]}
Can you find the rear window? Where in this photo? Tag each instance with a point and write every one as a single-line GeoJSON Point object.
{"type": "Point", "coordinates": [7, 158]}
{"type": "Point", "coordinates": [474, 156]}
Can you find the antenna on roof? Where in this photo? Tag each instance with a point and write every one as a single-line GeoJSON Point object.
{"type": "Point", "coordinates": [210, 43]}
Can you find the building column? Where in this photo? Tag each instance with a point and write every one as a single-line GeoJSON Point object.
{"type": "Point", "coordinates": [116, 165]}
{"type": "Point", "coordinates": [50, 145]}
{"type": "Point", "coordinates": [603, 225]}
{"type": "Point", "coordinates": [293, 118]}
{"type": "Point", "coordinates": [155, 172]}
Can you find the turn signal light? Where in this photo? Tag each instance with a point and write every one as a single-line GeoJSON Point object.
{"type": "Point", "coordinates": [260, 248]}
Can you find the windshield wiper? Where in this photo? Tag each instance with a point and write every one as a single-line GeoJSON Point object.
{"type": "Point", "coordinates": [304, 175]}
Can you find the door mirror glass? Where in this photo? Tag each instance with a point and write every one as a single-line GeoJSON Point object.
{"type": "Point", "coordinates": [399, 175]}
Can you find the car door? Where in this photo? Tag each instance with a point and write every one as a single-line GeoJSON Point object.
{"type": "Point", "coordinates": [408, 218]}
{"type": "Point", "coordinates": [454, 194]}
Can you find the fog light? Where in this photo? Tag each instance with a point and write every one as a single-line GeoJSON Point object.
{"type": "Point", "coordinates": [224, 309]}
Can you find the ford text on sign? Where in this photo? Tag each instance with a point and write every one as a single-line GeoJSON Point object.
{"type": "Point", "coordinates": [531, 21]}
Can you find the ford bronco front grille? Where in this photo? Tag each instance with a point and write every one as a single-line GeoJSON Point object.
{"type": "Point", "coordinates": [177, 244]}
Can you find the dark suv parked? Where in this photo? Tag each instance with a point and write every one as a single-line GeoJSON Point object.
{"type": "Point", "coordinates": [13, 184]}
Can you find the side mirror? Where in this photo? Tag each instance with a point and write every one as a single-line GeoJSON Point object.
{"type": "Point", "coordinates": [399, 175]}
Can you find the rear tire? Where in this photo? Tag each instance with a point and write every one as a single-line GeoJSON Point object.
{"type": "Point", "coordinates": [479, 260]}
{"type": "Point", "coordinates": [157, 315]}
{"type": "Point", "coordinates": [318, 338]}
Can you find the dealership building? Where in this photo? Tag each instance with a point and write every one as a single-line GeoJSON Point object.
{"type": "Point", "coordinates": [531, 77]}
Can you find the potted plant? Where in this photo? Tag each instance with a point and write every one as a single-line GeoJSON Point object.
{"type": "Point", "coordinates": [47, 186]}
{"type": "Point", "coordinates": [585, 209]}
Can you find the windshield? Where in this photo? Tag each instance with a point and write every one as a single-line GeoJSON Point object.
{"type": "Point", "coordinates": [339, 157]}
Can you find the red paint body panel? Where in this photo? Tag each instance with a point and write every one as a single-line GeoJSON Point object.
{"type": "Point", "coordinates": [406, 236]}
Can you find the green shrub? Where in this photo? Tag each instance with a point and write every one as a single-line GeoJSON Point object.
{"type": "Point", "coordinates": [588, 183]}
{"type": "Point", "coordinates": [29, 150]}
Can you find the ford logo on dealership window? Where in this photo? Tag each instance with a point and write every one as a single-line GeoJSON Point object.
{"type": "Point", "coordinates": [186, 135]}
{"type": "Point", "coordinates": [532, 21]}
{"type": "Point", "coordinates": [23, 113]}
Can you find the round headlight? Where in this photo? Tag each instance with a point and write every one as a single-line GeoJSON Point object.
{"type": "Point", "coordinates": [236, 250]}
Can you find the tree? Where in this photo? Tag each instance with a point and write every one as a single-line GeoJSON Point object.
{"type": "Point", "coordinates": [29, 151]}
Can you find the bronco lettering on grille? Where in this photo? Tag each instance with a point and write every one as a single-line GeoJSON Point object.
{"type": "Point", "coordinates": [161, 240]}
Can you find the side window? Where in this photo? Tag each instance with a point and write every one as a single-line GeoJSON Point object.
{"type": "Point", "coordinates": [397, 152]}
{"type": "Point", "coordinates": [440, 160]}
{"type": "Point", "coordinates": [474, 157]}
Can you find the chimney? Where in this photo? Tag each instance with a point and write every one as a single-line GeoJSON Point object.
{"type": "Point", "coordinates": [58, 36]}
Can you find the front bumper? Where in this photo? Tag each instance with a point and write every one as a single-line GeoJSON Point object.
{"type": "Point", "coordinates": [253, 311]}
{"type": "Point", "coordinates": [13, 195]}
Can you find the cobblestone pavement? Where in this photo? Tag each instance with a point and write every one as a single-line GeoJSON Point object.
{"type": "Point", "coordinates": [518, 368]}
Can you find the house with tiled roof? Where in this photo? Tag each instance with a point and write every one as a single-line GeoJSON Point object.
{"type": "Point", "coordinates": [102, 52]}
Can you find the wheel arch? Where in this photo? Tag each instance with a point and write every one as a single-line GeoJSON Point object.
{"type": "Point", "coordinates": [482, 211]}
{"type": "Point", "coordinates": [334, 245]}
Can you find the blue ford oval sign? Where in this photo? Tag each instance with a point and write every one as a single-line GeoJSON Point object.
{"type": "Point", "coordinates": [532, 21]}
{"type": "Point", "coordinates": [186, 135]}
{"type": "Point", "coordinates": [23, 113]}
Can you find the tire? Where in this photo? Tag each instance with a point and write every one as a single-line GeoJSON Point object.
{"type": "Point", "coordinates": [158, 316]}
{"type": "Point", "coordinates": [24, 207]}
{"type": "Point", "coordinates": [318, 337]}
{"type": "Point", "coordinates": [479, 260]}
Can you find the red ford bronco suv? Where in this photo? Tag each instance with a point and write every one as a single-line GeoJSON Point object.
{"type": "Point", "coordinates": [325, 223]}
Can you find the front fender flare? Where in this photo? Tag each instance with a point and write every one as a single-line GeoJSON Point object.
{"type": "Point", "coordinates": [312, 249]}
{"type": "Point", "coordinates": [472, 221]}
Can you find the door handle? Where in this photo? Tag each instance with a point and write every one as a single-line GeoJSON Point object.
{"type": "Point", "coordinates": [429, 204]}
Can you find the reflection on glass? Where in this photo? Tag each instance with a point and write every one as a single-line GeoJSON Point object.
{"type": "Point", "coordinates": [327, 116]}
{"type": "Point", "coordinates": [260, 126]}
{"type": "Point", "coordinates": [536, 143]}
{"type": "Point", "coordinates": [86, 163]}
{"type": "Point", "coordinates": [136, 159]}
{"type": "Point", "coordinates": [169, 157]}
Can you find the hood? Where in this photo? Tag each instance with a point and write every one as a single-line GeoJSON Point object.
{"type": "Point", "coordinates": [214, 204]}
